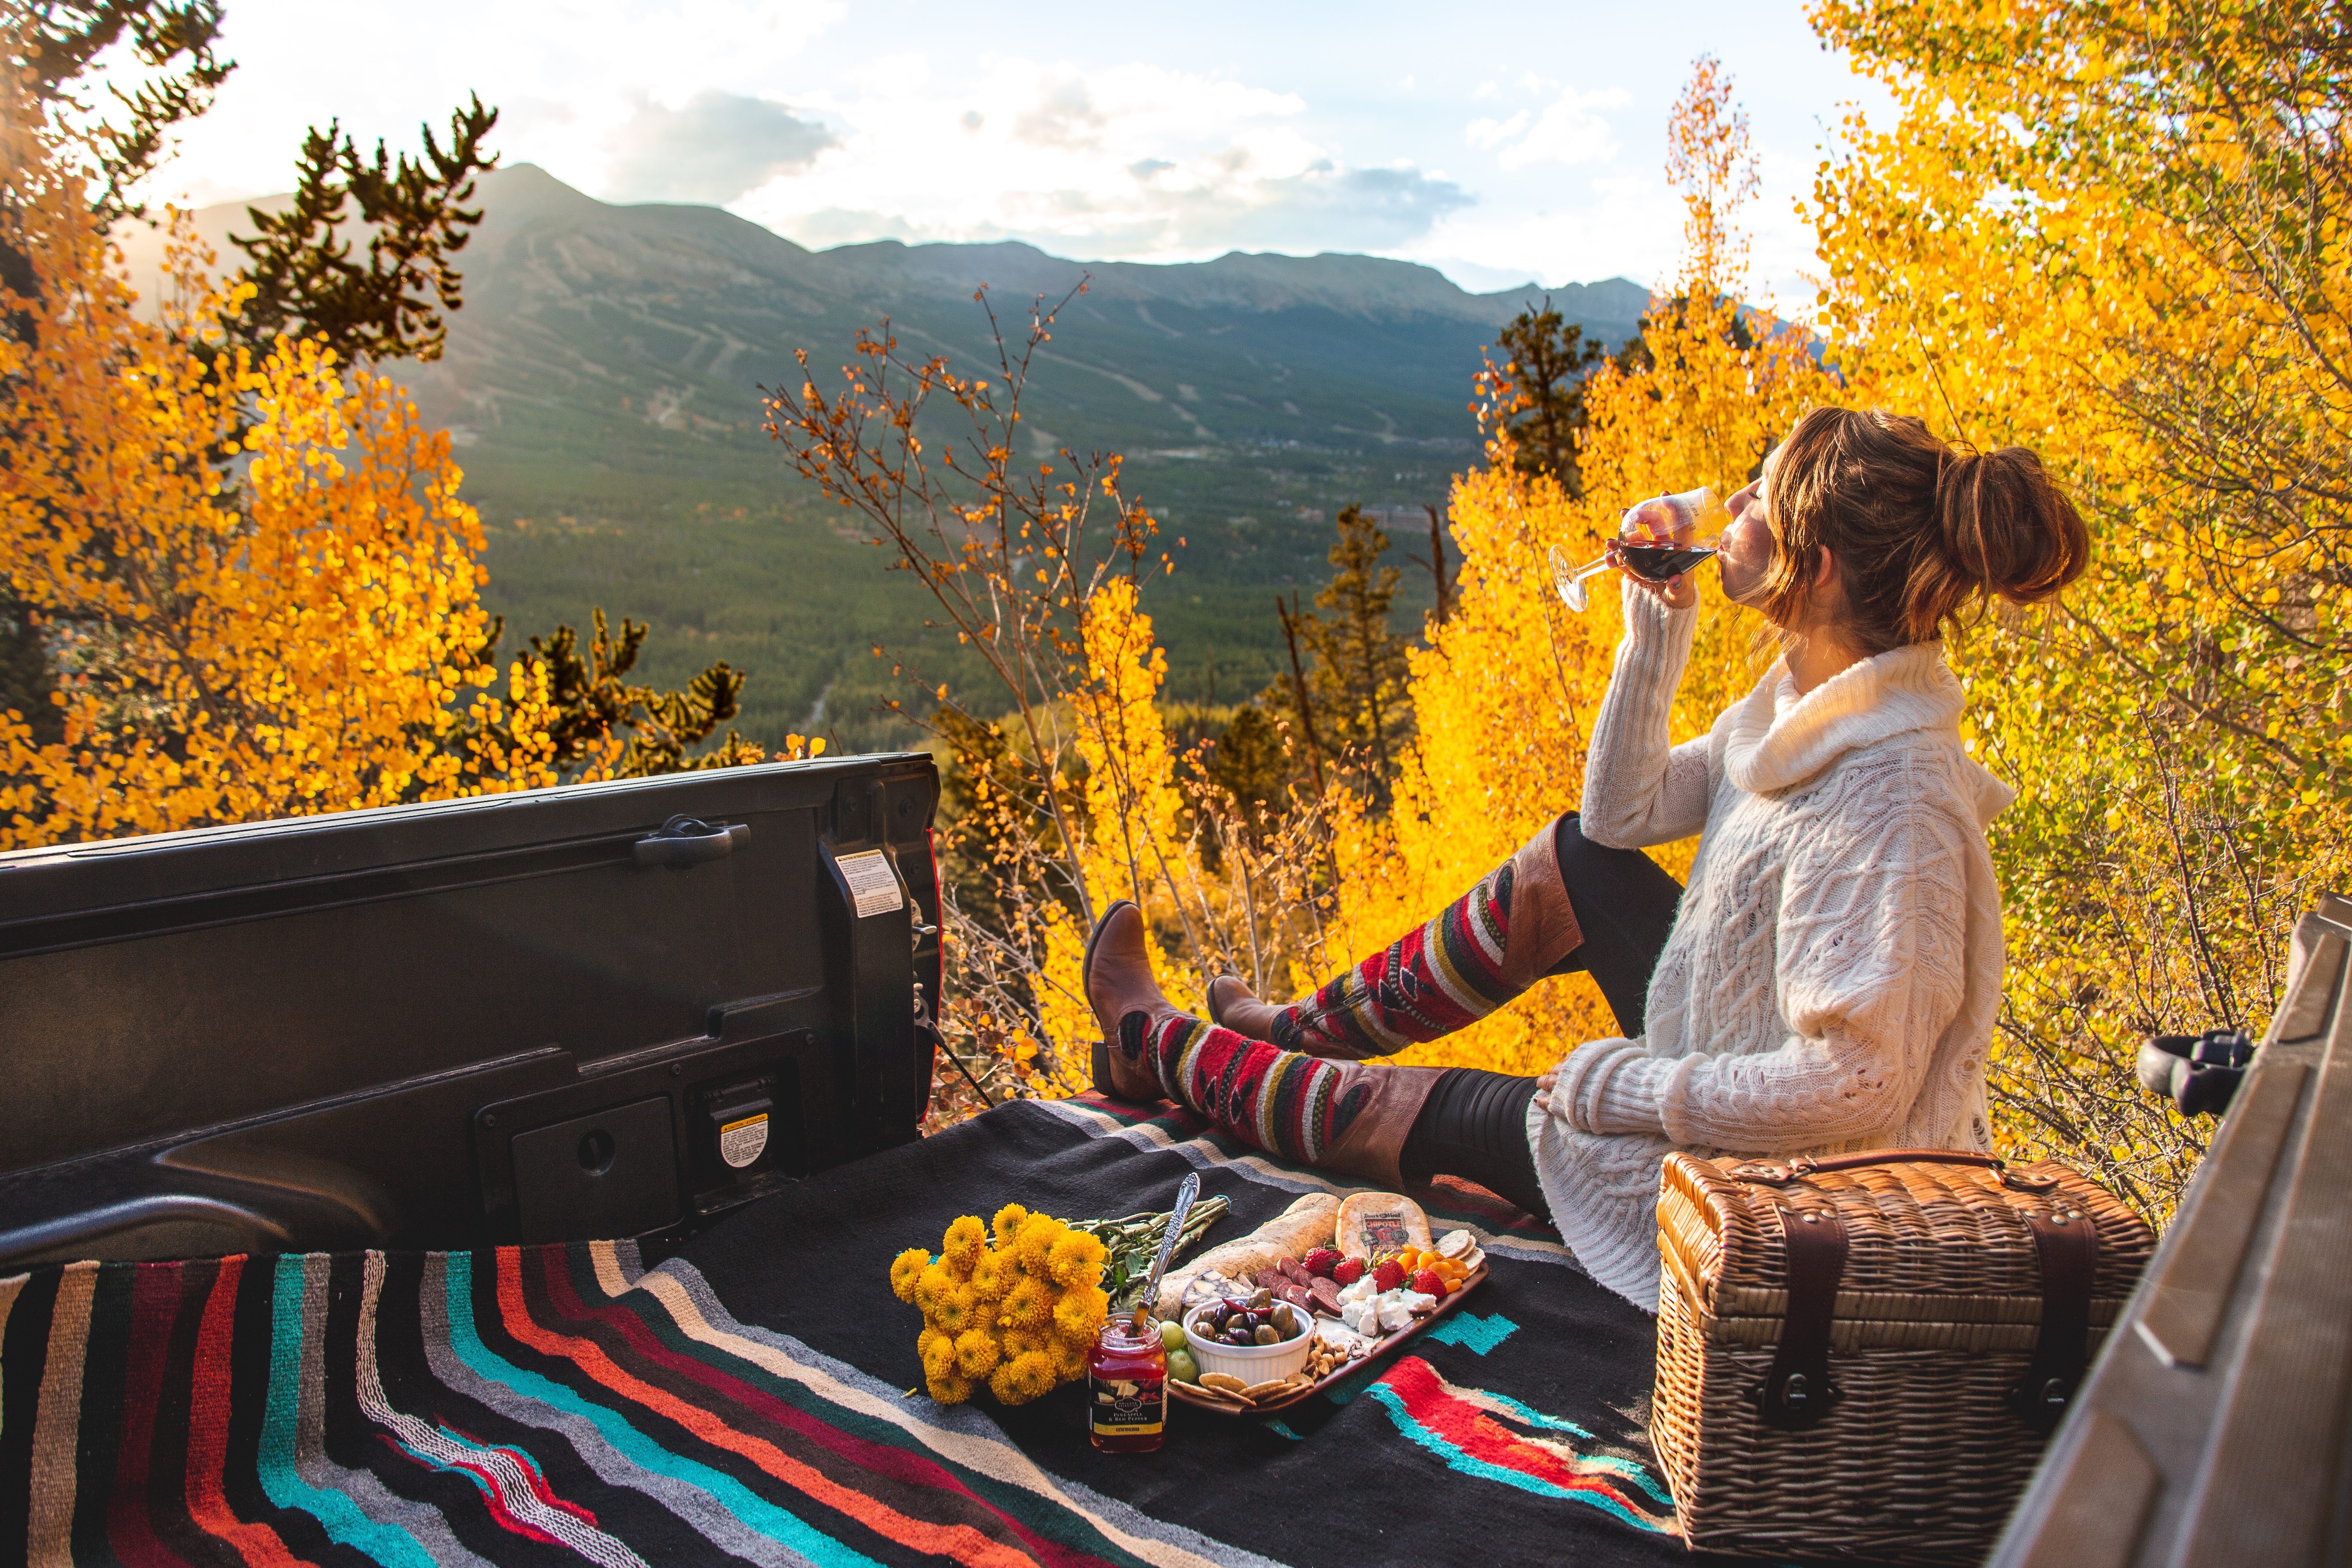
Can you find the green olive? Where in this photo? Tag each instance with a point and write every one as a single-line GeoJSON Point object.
{"type": "Point", "coordinates": [1286, 1321]}
{"type": "Point", "coordinates": [1171, 1334]}
{"type": "Point", "coordinates": [1266, 1336]}
{"type": "Point", "coordinates": [1261, 1301]}
{"type": "Point", "coordinates": [1182, 1368]}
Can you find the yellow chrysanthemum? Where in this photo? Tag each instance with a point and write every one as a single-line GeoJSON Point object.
{"type": "Point", "coordinates": [1077, 1260]}
{"type": "Point", "coordinates": [939, 1359]}
{"type": "Point", "coordinates": [1008, 1224]}
{"type": "Point", "coordinates": [1030, 1305]}
{"type": "Point", "coordinates": [906, 1269]}
{"type": "Point", "coordinates": [992, 1277]}
{"type": "Point", "coordinates": [962, 1246]}
{"type": "Point", "coordinates": [931, 1285]}
{"type": "Point", "coordinates": [949, 1390]}
{"type": "Point", "coordinates": [954, 1311]}
{"type": "Point", "coordinates": [1070, 1359]}
{"type": "Point", "coordinates": [1080, 1314]}
{"type": "Point", "coordinates": [1019, 1342]}
{"type": "Point", "coordinates": [1022, 1379]}
{"type": "Point", "coordinates": [1036, 1244]}
{"type": "Point", "coordinates": [976, 1353]}
{"type": "Point", "coordinates": [926, 1339]}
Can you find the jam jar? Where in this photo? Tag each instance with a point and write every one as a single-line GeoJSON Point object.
{"type": "Point", "coordinates": [1127, 1388]}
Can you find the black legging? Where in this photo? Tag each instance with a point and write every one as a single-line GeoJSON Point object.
{"type": "Point", "coordinates": [1475, 1123]}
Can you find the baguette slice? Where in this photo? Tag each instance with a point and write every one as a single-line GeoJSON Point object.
{"type": "Point", "coordinates": [1304, 1225]}
{"type": "Point", "coordinates": [1370, 1224]}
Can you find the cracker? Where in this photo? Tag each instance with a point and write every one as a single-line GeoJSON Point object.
{"type": "Point", "coordinates": [1258, 1391]}
{"type": "Point", "coordinates": [1224, 1383]}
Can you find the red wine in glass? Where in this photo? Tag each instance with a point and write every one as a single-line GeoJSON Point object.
{"type": "Point", "coordinates": [1657, 541]}
{"type": "Point", "coordinates": [1656, 562]}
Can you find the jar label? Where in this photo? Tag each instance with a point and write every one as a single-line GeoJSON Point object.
{"type": "Point", "coordinates": [1129, 1407]}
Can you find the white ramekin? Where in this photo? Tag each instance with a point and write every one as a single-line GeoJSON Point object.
{"type": "Point", "coordinates": [1256, 1363]}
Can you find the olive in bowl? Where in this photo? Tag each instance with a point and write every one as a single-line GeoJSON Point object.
{"type": "Point", "coordinates": [1256, 1344]}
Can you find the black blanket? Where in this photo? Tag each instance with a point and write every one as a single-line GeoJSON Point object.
{"type": "Point", "coordinates": [1513, 1432]}
{"type": "Point", "coordinates": [752, 1398]}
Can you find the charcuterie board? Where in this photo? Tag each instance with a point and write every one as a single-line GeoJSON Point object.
{"type": "Point", "coordinates": [1193, 1395]}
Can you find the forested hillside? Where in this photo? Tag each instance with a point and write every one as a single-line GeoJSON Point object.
{"type": "Point", "coordinates": [601, 387]}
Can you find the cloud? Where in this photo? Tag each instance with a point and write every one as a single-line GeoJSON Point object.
{"type": "Point", "coordinates": [1322, 208]}
{"type": "Point", "coordinates": [1127, 162]}
{"type": "Point", "coordinates": [718, 147]}
{"type": "Point", "coordinates": [1567, 131]}
{"type": "Point", "coordinates": [1064, 116]}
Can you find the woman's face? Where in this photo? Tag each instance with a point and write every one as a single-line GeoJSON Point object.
{"type": "Point", "coordinates": [1747, 551]}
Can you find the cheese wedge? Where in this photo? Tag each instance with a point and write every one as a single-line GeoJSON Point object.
{"type": "Point", "coordinates": [1370, 1224]}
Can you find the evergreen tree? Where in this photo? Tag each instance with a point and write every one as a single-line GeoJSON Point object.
{"type": "Point", "coordinates": [1246, 763]}
{"type": "Point", "coordinates": [590, 704]}
{"type": "Point", "coordinates": [1357, 685]}
{"type": "Point", "coordinates": [1549, 361]}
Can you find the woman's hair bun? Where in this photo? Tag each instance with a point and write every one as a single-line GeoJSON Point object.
{"type": "Point", "coordinates": [1920, 531]}
{"type": "Point", "coordinates": [2007, 528]}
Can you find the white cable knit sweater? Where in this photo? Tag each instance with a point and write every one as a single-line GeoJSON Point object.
{"type": "Point", "coordinates": [1835, 965]}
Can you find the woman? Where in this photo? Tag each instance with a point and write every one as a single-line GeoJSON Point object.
{"type": "Point", "coordinates": [1829, 980]}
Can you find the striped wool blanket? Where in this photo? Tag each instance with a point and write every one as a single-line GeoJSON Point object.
{"type": "Point", "coordinates": [743, 1395]}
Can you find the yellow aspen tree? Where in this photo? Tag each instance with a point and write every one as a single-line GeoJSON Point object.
{"type": "Point", "coordinates": [260, 572]}
{"type": "Point", "coordinates": [1504, 698]}
{"type": "Point", "coordinates": [1132, 845]}
{"type": "Point", "coordinates": [2117, 235]}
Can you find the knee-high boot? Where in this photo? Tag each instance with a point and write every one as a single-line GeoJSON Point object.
{"type": "Point", "coordinates": [1478, 954]}
{"type": "Point", "coordinates": [1346, 1116]}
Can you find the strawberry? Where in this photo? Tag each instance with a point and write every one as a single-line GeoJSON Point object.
{"type": "Point", "coordinates": [1388, 1276]}
{"type": "Point", "coordinates": [1348, 1270]}
{"type": "Point", "coordinates": [1430, 1283]}
{"type": "Point", "coordinates": [1320, 1262]}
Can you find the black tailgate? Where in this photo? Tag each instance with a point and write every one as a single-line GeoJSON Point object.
{"type": "Point", "coordinates": [532, 1016]}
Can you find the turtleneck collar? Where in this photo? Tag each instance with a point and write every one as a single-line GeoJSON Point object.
{"type": "Point", "coordinates": [1779, 738]}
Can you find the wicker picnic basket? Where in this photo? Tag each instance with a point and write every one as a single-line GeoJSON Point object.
{"type": "Point", "coordinates": [1863, 1356]}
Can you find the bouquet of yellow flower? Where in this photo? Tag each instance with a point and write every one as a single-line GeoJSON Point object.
{"type": "Point", "coordinates": [1021, 1314]}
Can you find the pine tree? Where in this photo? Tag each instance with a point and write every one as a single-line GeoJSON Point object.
{"type": "Point", "coordinates": [1357, 685]}
{"type": "Point", "coordinates": [1246, 763]}
{"type": "Point", "coordinates": [1549, 361]}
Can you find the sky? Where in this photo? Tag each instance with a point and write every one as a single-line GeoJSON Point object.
{"type": "Point", "coordinates": [1502, 143]}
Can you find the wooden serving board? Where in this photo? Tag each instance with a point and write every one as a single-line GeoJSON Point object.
{"type": "Point", "coordinates": [1193, 1397]}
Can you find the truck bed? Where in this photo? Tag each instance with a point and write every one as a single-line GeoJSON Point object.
{"type": "Point", "coordinates": [745, 1395]}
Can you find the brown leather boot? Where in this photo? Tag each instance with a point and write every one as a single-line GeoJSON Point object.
{"type": "Point", "coordinates": [1382, 1006]}
{"type": "Point", "coordinates": [1118, 971]}
{"type": "Point", "coordinates": [1375, 1139]}
{"type": "Point", "coordinates": [1232, 1005]}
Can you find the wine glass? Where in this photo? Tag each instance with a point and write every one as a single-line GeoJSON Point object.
{"type": "Point", "coordinates": [1657, 539]}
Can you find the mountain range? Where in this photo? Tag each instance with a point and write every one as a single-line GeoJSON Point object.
{"type": "Point", "coordinates": [602, 384]}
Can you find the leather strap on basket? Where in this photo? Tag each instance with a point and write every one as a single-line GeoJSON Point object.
{"type": "Point", "coordinates": [1797, 1393]}
{"type": "Point", "coordinates": [1797, 1167]}
{"type": "Point", "coordinates": [2068, 1246]}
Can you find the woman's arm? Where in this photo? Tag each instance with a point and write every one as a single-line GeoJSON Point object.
{"type": "Point", "coordinates": [1871, 970]}
{"type": "Point", "coordinates": [1638, 789]}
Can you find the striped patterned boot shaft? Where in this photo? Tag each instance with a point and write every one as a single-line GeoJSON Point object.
{"type": "Point", "coordinates": [1443, 977]}
{"type": "Point", "coordinates": [1296, 1107]}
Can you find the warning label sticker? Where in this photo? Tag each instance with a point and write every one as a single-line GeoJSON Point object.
{"type": "Point", "coordinates": [740, 1142]}
{"type": "Point", "coordinates": [873, 885]}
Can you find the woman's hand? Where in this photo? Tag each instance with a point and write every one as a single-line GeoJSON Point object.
{"type": "Point", "coordinates": [1678, 592]}
{"type": "Point", "coordinates": [1544, 1080]}
{"type": "Point", "coordinates": [1658, 523]}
